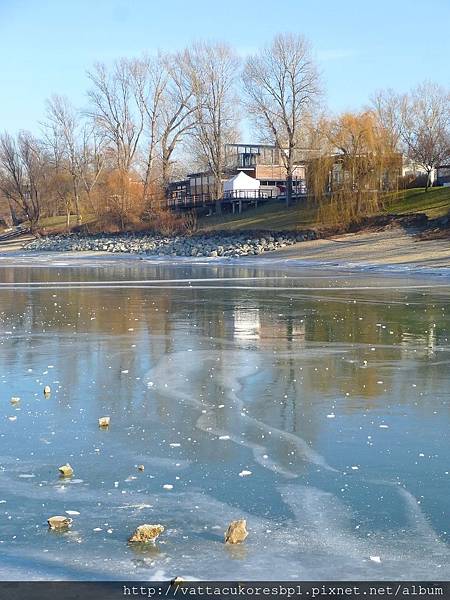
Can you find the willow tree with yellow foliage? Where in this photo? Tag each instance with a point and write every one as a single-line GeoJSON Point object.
{"type": "Point", "coordinates": [355, 168]}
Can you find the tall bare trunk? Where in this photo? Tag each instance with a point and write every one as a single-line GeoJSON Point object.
{"type": "Point", "coordinates": [148, 173]}
{"type": "Point", "coordinates": [165, 168]}
{"type": "Point", "coordinates": [76, 197]}
{"type": "Point", "coordinates": [218, 194]}
{"type": "Point", "coordinates": [289, 190]}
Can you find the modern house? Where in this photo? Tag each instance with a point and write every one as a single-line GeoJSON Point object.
{"type": "Point", "coordinates": [416, 174]}
{"type": "Point", "coordinates": [259, 161]}
{"type": "Point", "coordinates": [264, 164]}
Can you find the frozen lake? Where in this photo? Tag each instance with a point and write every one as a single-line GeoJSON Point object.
{"type": "Point", "coordinates": [314, 404]}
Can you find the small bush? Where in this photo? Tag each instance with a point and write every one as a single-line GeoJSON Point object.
{"type": "Point", "coordinates": [190, 222]}
{"type": "Point", "coordinates": [165, 222]}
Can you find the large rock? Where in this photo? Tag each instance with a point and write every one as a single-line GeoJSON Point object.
{"type": "Point", "coordinates": [59, 522]}
{"type": "Point", "coordinates": [146, 533]}
{"type": "Point", "coordinates": [66, 470]}
{"type": "Point", "coordinates": [236, 532]}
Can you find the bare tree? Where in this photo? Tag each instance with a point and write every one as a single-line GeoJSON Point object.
{"type": "Point", "coordinates": [425, 126]}
{"type": "Point", "coordinates": [92, 159]}
{"type": "Point", "coordinates": [118, 113]}
{"type": "Point", "coordinates": [386, 105]}
{"type": "Point", "coordinates": [23, 174]}
{"type": "Point", "coordinates": [63, 129]}
{"type": "Point", "coordinates": [212, 70]}
{"type": "Point", "coordinates": [282, 84]}
{"type": "Point", "coordinates": [168, 102]}
{"type": "Point", "coordinates": [149, 78]}
{"type": "Point", "coordinates": [178, 111]}
{"type": "Point", "coordinates": [117, 110]}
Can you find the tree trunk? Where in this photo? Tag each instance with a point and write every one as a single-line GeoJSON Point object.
{"type": "Point", "coordinates": [33, 223]}
{"type": "Point", "coordinates": [289, 189]}
{"type": "Point", "coordinates": [218, 195]}
{"type": "Point", "coordinates": [428, 183]}
{"type": "Point", "coordinates": [76, 197]}
{"type": "Point", "coordinates": [165, 167]}
{"type": "Point", "coordinates": [148, 174]}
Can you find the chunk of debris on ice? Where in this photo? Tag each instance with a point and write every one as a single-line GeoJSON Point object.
{"type": "Point", "coordinates": [104, 421]}
{"type": "Point", "coordinates": [59, 522]}
{"type": "Point", "coordinates": [168, 486]}
{"type": "Point", "coordinates": [236, 532]}
{"type": "Point", "coordinates": [146, 533]}
{"type": "Point", "coordinates": [376, 559]}
{"type": "Point", "coordinates": [65, 470]}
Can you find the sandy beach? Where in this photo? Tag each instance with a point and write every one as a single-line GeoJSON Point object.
{"type": "Point", "coordinates": [389, 247]}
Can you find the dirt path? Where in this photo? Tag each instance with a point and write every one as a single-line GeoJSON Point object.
{"type": "Point", "coordinates": [15, 244]}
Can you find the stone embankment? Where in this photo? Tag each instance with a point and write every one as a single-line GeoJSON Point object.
{"type": "Point", "coordinates": [213, 245]}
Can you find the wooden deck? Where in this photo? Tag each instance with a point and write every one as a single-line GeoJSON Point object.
{"type": "Point", "coordinates": [234, 201]}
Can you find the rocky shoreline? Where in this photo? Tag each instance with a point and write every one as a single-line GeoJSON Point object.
{"type": "Point", "coordinates": [224, 243]}
{"type": "Point", "coordinates": [211, 245]}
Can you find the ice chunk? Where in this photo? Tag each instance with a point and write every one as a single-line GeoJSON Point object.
{"type": "Point", "coordinates": [245, 473]}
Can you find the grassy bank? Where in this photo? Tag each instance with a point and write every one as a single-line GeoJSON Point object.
{"type": "Point", "coordinates": [273, 216]}
{"type": "Point", "coordinates": [58, 224]}
{"type": "Point", "coordinates": [434, 203]}
{"type": "Point", "coordinates": [276, 217]}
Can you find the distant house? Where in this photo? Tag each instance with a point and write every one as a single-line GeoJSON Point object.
{"type": "Point", "coordinates": [263, 162]}
{"type": "Point", "coordinates": [415, 174]}
{"type": "Point", "coordinates": [443, 175]}
{"type": "Point", "coordinates": [259, 161]}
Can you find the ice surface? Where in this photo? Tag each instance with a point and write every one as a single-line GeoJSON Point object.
{"type": "Point", "coordinates": [212, 372]}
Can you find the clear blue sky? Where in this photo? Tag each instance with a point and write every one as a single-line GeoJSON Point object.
{"type": "Point", "coordinates": [47, 45]}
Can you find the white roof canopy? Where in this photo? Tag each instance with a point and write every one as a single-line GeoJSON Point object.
{"type": "Point", "coordinates": [241, 181]}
